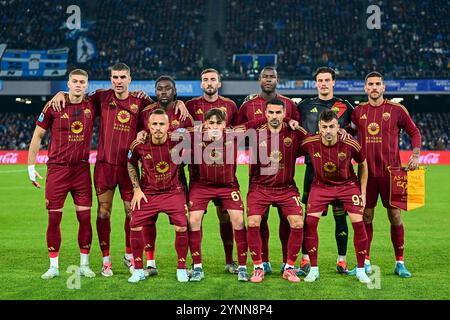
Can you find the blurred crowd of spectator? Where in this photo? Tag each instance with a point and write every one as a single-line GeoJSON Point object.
{"type": "Point", "coordinates": [168, 36]}
{"type": "Point", "coordinates": [435, 130]}
{"type": "Point", "coordinates": [413, 40]}
{"type": "Point", "coordinates": [153, 38]}
{"type": "Point", "coordinates": [16, 131]}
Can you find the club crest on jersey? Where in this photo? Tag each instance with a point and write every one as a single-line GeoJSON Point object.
{"type": "Point", "coordinates": [134, 108]}
{"type": "Point", "coordinates": [342, 156]}
{"type": "Point", "coordinates": [41, 117]}
{"type": "Point", "coordinates": [373, 128]}
{"type": "Point", "coordinates": [162, 167]}
{"type": "Point", "coordinates": [276, 156]}
{"type": "Point", "coordinates": [386, 116]}
{"type": "Point", "coordinates": [175, 123]}
{"type": "Point", "coordinates": [287, 141]}
{"type": "Point", "coordinates": [329, 167]}
{"type": "Point", "coordinates": [123, 116]}
{"type": "Point", "coordinates": [87, 113]}
{"type": "Point", "coordinates": [335, 109]}
{"type": "Point", "coordinates": [76, 127]}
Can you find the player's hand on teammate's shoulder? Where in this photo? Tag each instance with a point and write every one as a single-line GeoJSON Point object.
{"type": "Point", "coordinates": [181, 108]}
{"type": "Point", "coordinates": [344, 135]}
{"type": "Point", "coordinates": [58, 102]}
{"type": "Point", "coordinates": [142, 136]}
{"type": "Point", "coordinates": [294, 124]}
{"type": "Point", "coordinates": [32, 174]}
{"type": "Point", "coordinates": [140, 94]}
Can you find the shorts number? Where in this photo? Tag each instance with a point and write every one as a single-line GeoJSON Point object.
{"type": "Point", "coordinates": [297, 200]}
{"type": "Point", "coordinates": [357, 200]}
{"type": "Point", "coordinates": [236, 195]}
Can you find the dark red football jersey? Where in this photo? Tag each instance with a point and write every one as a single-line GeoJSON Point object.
{"type": "Point", "coordinates": [256, 108]}
{"type": "Point", "coordinates": [159, 172]}
{"type": "Point", "coordinates": [213, 163]}
{"type": "Point", "coordinates": [197, 107]}
{"type": "Point", "coordinates": [333, 164]}
{"type": "Point", "coordinates": [70, 132]}
{"type": "Point", "coordinates": [118, 124]}
{"type": "Point", "coordinates": [274, 164]}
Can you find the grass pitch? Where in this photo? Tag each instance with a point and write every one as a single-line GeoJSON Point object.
{"type": "Point", "coordinates": [23, 222]}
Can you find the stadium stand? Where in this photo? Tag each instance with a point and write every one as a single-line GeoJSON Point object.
{"type": "Point", "coordinates": [413, 40]}
{"type": "Point", "coordinates": [153, 39]}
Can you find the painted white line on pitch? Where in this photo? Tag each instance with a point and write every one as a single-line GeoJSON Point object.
{"type": "Point", "coordinates": [12, 171]}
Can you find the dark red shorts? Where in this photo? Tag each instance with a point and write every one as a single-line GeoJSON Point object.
{"type": "Point", "coordinates": [108, 176]}
{"type": "Point", "coordinates": [378, 186]}
{"type": "Point", "coordinates": [173, 203]}
{"type": "Point", "coordinates": [61, 180]}
{"type": "Point", "coordinates": [322, 195]}
{"type": "Point", "coordinates": [287, 199]}
{"type": "Point", "coordinates": [200, 195]}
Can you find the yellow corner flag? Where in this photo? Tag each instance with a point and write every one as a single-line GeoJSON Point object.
{"type": "Point", "coordinates": [407, 188]}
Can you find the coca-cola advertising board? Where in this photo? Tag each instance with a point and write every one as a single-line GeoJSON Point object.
{"type": "Point", "coordinates": [21, 156]}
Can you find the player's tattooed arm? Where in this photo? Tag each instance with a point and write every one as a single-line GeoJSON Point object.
{"type": "Point", "coordinates": [133, 172]}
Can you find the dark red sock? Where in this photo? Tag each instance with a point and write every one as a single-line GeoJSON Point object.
{"type": "Point", "coordinates": [149, 234]}
{"type": "Point", "coordinates": [181, 246]}
{"type": "Point", "coordinates": [254, 244]}
{"type": "Point", "coordinates": [398, 240]}
{"type": "Point", "coordinates": [240, 237]}
{"type": "Point", "coordinates": [284, 233]}
{"type": "Point", "coordinates": [84, 231]}
{"type": "Point", "coordinates": [104, 232]}
{"type": "Point", "coordinates": [264, 232]}
{"type": "Point", "coordinates": [369, 232]}
{"type": "Point", "coordinates": [294, 245]}
{"type": "Point", "coordinates": [360, 242]}
{"type": "Point", "coordinates": [312, 239]}
{"type": "Point", "coordinates": [137, 247]}
{"type": "Point", "coordinates": [54, 232]}
{"type": "Point", "coordinates": [226, 233]}
{"type": "Point", "coordinates": [195, 246]}
{"type": "Point", "coordinates": [127, 234]}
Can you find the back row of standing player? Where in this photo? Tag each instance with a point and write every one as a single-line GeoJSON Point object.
{"type": "Point", "coordinates": [119, 123]}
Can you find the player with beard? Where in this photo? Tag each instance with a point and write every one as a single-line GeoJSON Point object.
{"type": "Point", "coordinates": [378, 123]}
{"type": "Point", "coordinates": [254, 107]}
{"type": "Point", "coordinates": [198, 107]}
